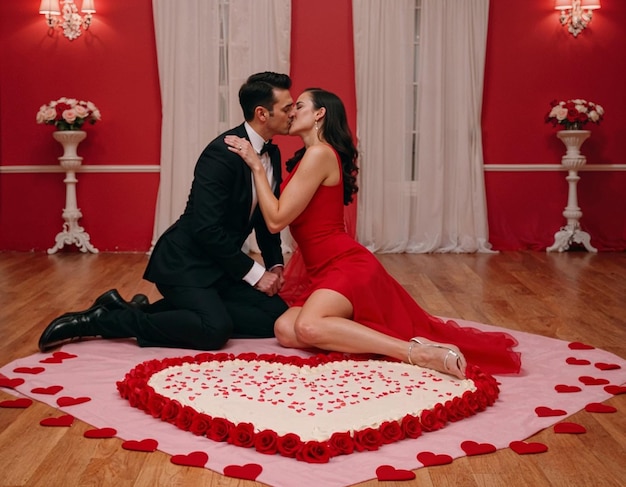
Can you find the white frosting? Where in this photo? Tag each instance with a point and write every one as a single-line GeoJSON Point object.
{"type": "Point", "coordinates": [311, 401]}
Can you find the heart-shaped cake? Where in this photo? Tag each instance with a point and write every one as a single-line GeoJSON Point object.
{"type": "Point", "coordinates": [310, 408]}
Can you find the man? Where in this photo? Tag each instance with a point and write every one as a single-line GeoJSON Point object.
{"type": "Point", "coordinates": [211, 290]}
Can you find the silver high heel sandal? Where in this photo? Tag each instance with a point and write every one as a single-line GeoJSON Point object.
{"type": "Point", "coordinates": [451, 352]}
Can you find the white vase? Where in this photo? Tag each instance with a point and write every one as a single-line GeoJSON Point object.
{"type": "Point", "coordinates": [573, 160]}
{"type": "Point", "coordinates": [72, 233]}
{"type": "Point", "coordinates": [573, 140]}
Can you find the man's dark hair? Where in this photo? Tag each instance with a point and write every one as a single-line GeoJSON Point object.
{"type": "Point", "coordinates": [258, 91]}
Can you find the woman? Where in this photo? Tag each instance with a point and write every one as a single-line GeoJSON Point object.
{"type": "Point", "coordinates": [352, 304]}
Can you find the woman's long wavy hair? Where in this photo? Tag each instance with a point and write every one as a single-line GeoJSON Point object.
{"type": "Point", "coordinates": [336, 132]}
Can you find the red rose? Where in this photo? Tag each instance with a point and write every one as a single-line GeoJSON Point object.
{"type": "Point", "coordinates": [200, 424]}
{"type": "Point", "coordinates": [472, 402]}
{"type": "Point", "coordinates": [441, 413]}
{"type": "Point", "coordinates": [430, 421]}
{"type": "Point", "coordinates": [266, 442]}
{"type": "Point", "coordinates": [171, 410]}
{"type": "Point", "coordinates": [289, 445]}
{"type": "Point", "coordinates": [411, 426]}
{"type": "Point", "coordinates": [454, 410]}
{"type": "Point", "coordinates": [313, 452]}
{"type": "Point", "coordinates": [390, 432]}
{"type": "Point", "coordinates": [242, 435]}
{"type": "Point", "coordinates": [481, 399]}
{"type": "Point", "coordinates": [367, 439]}
{"type": "Point", "coordinates": [155, 405]}
{"type": "Point", "coordinates": [220, 429]}
{"type": "Point", "coordinates": [185, 417]}
{"type": "Point", "coordinates": [341, 444]}
{"type": "Point", "coordinates": [247, 356]}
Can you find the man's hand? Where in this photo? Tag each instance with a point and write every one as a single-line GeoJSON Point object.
{"type": "Point", "coordinates": [271, 282]}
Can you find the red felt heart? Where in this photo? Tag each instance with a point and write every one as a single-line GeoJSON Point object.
{"type": "Point", "coordinates": [57, 358]}
{"type": "Point", "coordinates": [574, 428]}
{"type": "Point", "coordinates": [605, 366]}
{"type": "Point", "coordinates": [10, 383]}
{"type": "Point", "coordinates": [472, 448]}
{"type": "Point", "coordinates": [577, 361]}
{"type": "Point", "coordinates": [592, 381]}
{"type": "Point", "coordinates": [615, 390]}
{"type": "Point", "coordinates": [71, 401]}
{"type": "Point", "coordinates": [249, 471]}
{"type": "Point", "coordinates": [597, 407]}
{"type": "Point", "coordinates": [565, 388]}
{"type": "Point", "coordinates": [580, 346]}
{"type": "Point", "coordinates": [51, 390]}
{"type": "Point", "coordinates": [65, 420]}
{"type": "Point", "coordinates": [194, 459]}
{"type": "Point", "coordinates": [147, 445]}
{"type": "Point", "coordinates": [29, 370]}
{"type": "Point", "coordinates": [543, 412]}
{"type": "Point", "coordinates": [430, 459]}
{"type": "Point", "coordinates": [524, 448]}
{"type": "Point", "coordinates": [16, 403]}
{"type": "Point", "coordinates": [100, 433]}
{"type": "Point", "coordinates": [389, 473]}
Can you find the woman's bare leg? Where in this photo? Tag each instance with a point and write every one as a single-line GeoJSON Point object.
{"type": "Point", "coordinates": [324, 322]}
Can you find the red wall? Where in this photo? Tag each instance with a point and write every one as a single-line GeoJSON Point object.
{"type": "Point", "coordinates": [113, 64]}
{"type": "Point", "coordinates": [531, 60]}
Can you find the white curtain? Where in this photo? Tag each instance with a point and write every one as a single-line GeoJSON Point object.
{"type": "Point", "coordinates": [421, 192]}
{"type": "Point", "coordinates": [206, 49]}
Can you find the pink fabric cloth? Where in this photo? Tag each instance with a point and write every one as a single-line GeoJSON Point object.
{"type": "Point", "coordinates": [99, 364]}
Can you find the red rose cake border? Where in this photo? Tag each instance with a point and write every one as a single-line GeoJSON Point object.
{"type": "Point", "coordinates": [134, 387]}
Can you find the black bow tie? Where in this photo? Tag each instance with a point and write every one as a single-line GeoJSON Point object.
{"type": "Point", "coordinates": [268, 147]}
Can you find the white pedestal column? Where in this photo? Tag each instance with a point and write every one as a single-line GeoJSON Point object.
{"type": "Point", "coordinates": [73, 233]}
{"type": "Point", "coordinates": [573, 160]}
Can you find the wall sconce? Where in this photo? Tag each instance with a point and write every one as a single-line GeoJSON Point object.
{"type": "Point", "coordinates": [68, 19]}
{"type": "Point", "coordinates": [576, 14]}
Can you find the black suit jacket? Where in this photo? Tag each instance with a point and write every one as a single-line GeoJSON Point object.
{"type": "Point", "coordinates": [205, 243]}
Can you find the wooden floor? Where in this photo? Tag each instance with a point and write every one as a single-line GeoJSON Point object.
{"type": "Point", "coordinates": [573, 296]}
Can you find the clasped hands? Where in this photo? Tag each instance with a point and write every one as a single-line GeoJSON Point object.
{"type": "Point", "coordinates": [271, 281]}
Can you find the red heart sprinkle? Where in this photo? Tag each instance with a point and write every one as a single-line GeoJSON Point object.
{"type": "Point", "coordinates": [565, 388]}
{"type": "Point", "coordinates": [16, 403]}
{"type": "Point", "coordinates": [100, 433]}
{"type": "Point", "coordinates": [29, 370]}
{"type": "Point", "coordinates": [592, 381]}
{"type": "Point", "coordinates": [543, 412]}
{"type": "Point", "coordinates": [194, 459]}
{"type": "Point", "coordinates": [65, 420]}
{"type": "Point", "coordinates": [147, 445]}
{"type": "Point", "coordinates": [577, 361]}
{"type": "Point", "coordinates": [615, 390]}
{"type": "Point", "coordinates": [580, 346]}
{"type": "Point", "coordinates": [524, 448]}
{"type": "Point", "coordinates": [51, 390]}
{"type": "Point", "coordinates": [605, 366]}
{"type": "Point", "coordinates": [574, 428]}
{"type": "Point", "coordinates": [430, 459]}
{"type": "Point", "coordinates": [249, 471]}
{"type": "Point", "coordinates": [10, 383]}
{"type": "Point", "coordinates": [472, 448]}
{"type": "Point", "coordinates": [597, 407]}
{"type": "Point", "coordinates": [389, 473]}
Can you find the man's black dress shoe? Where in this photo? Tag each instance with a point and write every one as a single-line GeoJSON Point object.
{"type": "Point", "coordinates": [71, 327]}
{"type": "Point", "coordinates": [112, 300]}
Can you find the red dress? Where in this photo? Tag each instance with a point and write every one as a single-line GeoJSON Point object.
{"type": "Point", "coordinates": [334, 260]}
